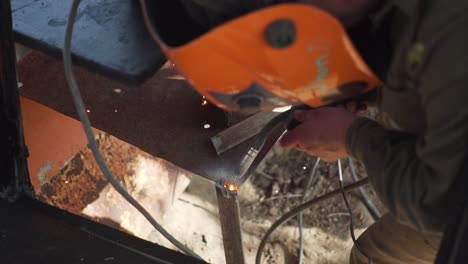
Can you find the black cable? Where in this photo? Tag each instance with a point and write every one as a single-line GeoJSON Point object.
{"type": "Point", "coordinates": [351, 218]}
{"type": "Point", "coordinates": [301, 220]}
{"type": "Point", "coordinates": [79, 105]}
{"type": "Point", "coordinates": [373, 210]}
{"type": "Point", "coordinates": [300, 209]}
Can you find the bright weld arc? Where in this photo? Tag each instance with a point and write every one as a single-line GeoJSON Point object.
{"type": "Point", "coordinates": [231, 187]}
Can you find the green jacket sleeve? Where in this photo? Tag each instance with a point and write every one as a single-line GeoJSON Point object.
{"type": "Point", "coordinates": [414, 175]}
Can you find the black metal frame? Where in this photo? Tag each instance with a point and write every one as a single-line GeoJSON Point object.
{"type": "Point", "coordinates": [14, 179]}
{"type": "Point", "coordinates": [33, 232]}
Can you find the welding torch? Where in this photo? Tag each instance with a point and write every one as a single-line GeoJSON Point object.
{"type": "Point", "coordinates": [247, 165]}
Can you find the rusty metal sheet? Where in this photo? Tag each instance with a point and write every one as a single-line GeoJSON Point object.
{"type": "Point", "coordinates": [164, 117]}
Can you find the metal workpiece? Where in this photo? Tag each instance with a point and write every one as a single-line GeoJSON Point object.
{"type": "Point", "coordinates": [229, 217]}
{"type": "Point", "coordinates": [164, 117]}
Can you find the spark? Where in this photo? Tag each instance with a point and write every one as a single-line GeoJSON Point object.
{"type": "Point", "coordinates": [206, 126]}
{"type": "Point", "coordinates": [231, 187]}
{"type": "Point", "coordinates": [304, 168]}
{"type": "Point", "coordinates": [88, 111]}
{"type": "Point", "coordinates": [204, 103]}
{"type": "Point", "coordinates": [115, 110]}
{"type": "Point", "coordinates": [117, 90]}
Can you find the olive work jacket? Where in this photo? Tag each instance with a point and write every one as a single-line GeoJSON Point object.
{"type": "Point", "coordinates": [415, 153]}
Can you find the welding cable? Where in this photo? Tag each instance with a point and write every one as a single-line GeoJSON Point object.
{"type": "Point", "coordinates": [302, 208]}
{"type": "Point", "coordinates": [304, 197]}
{"type": "Point", "coordinates": [79, 105]}
{"type": "Point", "coordinates": [373, 210]}
{"type": "Point", "coordinates": [351, 218]}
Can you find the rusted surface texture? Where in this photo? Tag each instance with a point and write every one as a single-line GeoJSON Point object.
{"type": "Point", "coordinates": [164, 117]}
{"type": "Point", "coordinates": [80, 187]}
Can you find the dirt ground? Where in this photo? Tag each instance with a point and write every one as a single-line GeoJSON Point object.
{"type": "Point", "coordinates": [273, 190]}
{"type": "Point", "coordinates": [280, 181]}
{"type": "Point", "coordinates": [278, 186]}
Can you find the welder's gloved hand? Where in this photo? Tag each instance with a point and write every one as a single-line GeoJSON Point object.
{"type": "Point", "coordinates": [322, 132]}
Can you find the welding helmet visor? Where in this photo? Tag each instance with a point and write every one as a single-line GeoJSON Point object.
{"type": "Point", "coordinates": [274, 56]}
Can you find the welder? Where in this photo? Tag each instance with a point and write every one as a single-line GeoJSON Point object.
{"type": "Point", "coordinates": [417, 149]}
{"type": "Point", "coordinates": [414, 149]}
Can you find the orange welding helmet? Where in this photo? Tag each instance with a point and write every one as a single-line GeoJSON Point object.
{"type": "Point", "coordinates": [275, 56]}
